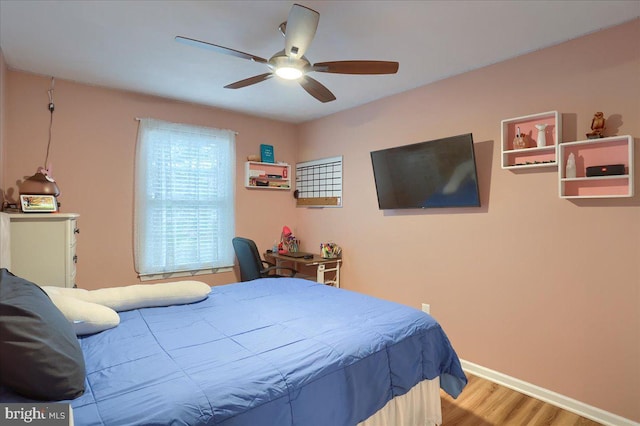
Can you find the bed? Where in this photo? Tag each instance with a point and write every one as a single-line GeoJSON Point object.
{"type": "Point", "coordinates": [277, 351]}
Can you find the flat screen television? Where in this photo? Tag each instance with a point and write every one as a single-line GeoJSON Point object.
{"type": "Point", "coordinates": [438, 173]}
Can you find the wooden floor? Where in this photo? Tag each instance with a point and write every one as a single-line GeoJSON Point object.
{"type": "Point", "coordinates": [484, 403]}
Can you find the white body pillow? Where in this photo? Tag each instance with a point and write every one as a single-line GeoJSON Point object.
{"type": "Point", "coordinates": [142, 295]}
{"type": "Point", "coordinates": [85, 317]}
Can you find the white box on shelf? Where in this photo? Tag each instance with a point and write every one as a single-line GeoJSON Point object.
{"type": "Point", "coordinates": [533, 155]}
{"type": "Point", "coordinates": [597, 152]}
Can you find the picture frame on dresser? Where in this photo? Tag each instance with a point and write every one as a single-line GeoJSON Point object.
{"type": "Point", "coordinates": [38, 203]}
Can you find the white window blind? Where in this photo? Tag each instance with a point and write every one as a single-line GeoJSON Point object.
{"type": "Point", "coordinates": [184, 217]}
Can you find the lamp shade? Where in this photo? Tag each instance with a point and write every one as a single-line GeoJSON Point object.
{"type": "Point", "coordinates": [39, 184]}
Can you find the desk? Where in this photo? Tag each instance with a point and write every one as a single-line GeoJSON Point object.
{"type": "Point", "coordinates": [318, 261]}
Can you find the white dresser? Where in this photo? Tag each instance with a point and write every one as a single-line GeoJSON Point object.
{"type": "Point", "coordinates": [43, 247]}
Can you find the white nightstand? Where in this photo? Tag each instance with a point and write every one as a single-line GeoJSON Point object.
{"type": "Point", "coordinates": [43, 247]}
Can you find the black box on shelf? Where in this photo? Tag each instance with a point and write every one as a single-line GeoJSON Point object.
{"type": "Point", "coordinates": [607, 170]}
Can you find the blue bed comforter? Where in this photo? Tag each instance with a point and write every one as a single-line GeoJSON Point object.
{"type": "Point", "coordinates": [266, 352]}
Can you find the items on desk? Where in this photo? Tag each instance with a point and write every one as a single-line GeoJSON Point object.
{"type": "Point", "coordinates": [330, 250]}
{"type": "Point", "coordinates": [288, 242]}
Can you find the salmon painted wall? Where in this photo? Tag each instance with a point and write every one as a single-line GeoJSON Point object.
{"type": "Point", "coordinates": [515, 283]}
{"type": "Point", "coordinates": [536, 287]}
{"type": "Point", "coordinates": [92, 152]}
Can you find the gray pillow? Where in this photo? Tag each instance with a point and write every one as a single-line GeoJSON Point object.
{"type": "Point", "coordinates": [40, 356]}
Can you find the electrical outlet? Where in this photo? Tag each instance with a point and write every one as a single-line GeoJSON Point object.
{"type": "Point", "coordinates": [426, 308]}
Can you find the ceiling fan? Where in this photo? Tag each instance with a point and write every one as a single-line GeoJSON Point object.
{"type": "Point", "coordinates": [291, 64]}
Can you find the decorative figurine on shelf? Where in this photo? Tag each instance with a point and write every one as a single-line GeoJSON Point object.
{"type": "Point", "coordinates": [519, 142]}
{"type": "Point", "coordinates": [570, 172]}
{"type": "Point", "coordinates": [597, 126]}
{"type": "Point", "coordinates": [542, 136]}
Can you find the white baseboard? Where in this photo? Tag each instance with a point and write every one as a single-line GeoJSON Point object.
{"type": "Point", "coordinates": [545, 395]}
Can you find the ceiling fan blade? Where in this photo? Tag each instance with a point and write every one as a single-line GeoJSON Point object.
{"type": "Point", "coordinates": [357, 67]}
{"type": "Point", "coordinates": [249, 81]}
{"type": "Point", "coordinates": [299, 30]}
{"type": "Point", "coordinates": [219, 49]}
{"type": "Point", "coordinates": [316, 89]}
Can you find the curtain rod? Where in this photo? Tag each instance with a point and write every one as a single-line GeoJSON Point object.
{"type": "Point", "coordinates": [234, 132]}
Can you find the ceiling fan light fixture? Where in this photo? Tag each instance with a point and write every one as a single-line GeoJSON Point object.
{"type": "Point", "coordinates": [291, 64]}
{"type": "Point", "coordinates": [289, 73]}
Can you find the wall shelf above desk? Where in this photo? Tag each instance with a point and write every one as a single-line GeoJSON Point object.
{"type": "Point", "coordinates": [259, 175]}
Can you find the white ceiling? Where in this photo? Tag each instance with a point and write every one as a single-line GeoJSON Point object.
{"type": "Point", "coordinates": [130, 44]}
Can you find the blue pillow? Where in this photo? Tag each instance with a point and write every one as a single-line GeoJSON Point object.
{"type": "Point", "coordinates": [40, 354]}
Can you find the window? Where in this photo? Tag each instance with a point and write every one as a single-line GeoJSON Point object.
{"type": "Point", "coordinates": [184, 216]}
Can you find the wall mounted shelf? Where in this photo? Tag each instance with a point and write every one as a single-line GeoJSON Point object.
{"type": "Point", "coordinates": [259, 175]}
{"type": "Point", "coordinates": [532, 155]}
{"type": "Point", "coordinates": [597, 152]}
